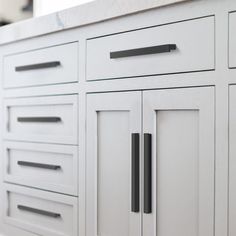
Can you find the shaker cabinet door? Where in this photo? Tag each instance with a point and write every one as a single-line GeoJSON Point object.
{"type": "Point", "coordinates": [112, 164]}
{"type": "Point", "coordinates": [232, 161]}
{"type": "Point", "coordinates": [178, 127]}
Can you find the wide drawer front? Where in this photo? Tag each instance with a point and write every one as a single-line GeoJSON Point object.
{"type": "Point", "coordinates": [164, 49]}
{"type": "Point", "coordinates": [40, 212]}
{"type": "Point", "coordinates": [42, 119]}
{"type": "Point", "coordinates": [44, 166]}
{"type": "Point", "coordinates": [53, 65]}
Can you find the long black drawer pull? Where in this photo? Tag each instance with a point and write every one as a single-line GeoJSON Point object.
{"type": "Point", "coordinates": [147, 173]}
{"type": "Point", "coordinates": [38, 165]}
{"type": "Point", "coordinates": [39, 212]}
{"type": "Point", "coordinates": [135, 173]}
{"type": "Point", "coordinates": [143, 51]}
{"type": "Point", "coordinates": [39, 119]}
{"type": "Point", "coordinates": [38, 66]}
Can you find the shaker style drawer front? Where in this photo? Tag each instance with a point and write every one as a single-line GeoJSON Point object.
{"type": "Point", "coordinates": [42, 119]}
{"type": "Point", "coordinates": [53, 65]}
{"type": "Point", "coordinates": [232, 40]}
{"type": "Point", "coordinates": [165, 49]}
{"type": "Point", "coordinates": [40, 212]}
{"type": "Point", "coordinates": [44, 166]}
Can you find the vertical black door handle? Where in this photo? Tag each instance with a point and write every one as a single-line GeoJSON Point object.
{"type": "Point", "coordinates": [147, 173]}
{"type": "Point", "coordinates": [135, 173]}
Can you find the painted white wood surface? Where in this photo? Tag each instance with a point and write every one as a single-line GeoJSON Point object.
{"type": "Point", "coordinates": [232, 161]}
{"type": "Point", "coordinates": [232, 40]}
{"type": "Point", "coordinates": [111, 119]}
{"type": "Point", "coordinates": [64, 179]}
{"type": "Point", "coordinates": [183, 34]}
{"type": "Point", "coordinates": [64, 131]}
{"type": "Point", "coordinates": [181, 122]}
{"type": "Point", "coordinates": [67, 72]}
{"type": "Point", "coordinates": [66, 206]}
{"type": "Point", "coordinates": [220, 78]}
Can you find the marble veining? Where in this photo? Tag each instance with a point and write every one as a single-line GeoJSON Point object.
{"type": "Point", "coordinates": [85, 14]}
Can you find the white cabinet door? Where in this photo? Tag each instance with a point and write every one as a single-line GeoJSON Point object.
{"type": "Point", "coordinates": [179, 161]}
{"type": "Point", "coordinates": [232, 161]}
{"type": "Point", "coordinates": [112, 164]}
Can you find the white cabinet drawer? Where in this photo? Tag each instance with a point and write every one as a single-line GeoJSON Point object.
{"type": "Point", "coordinates": [42, 119]}
{"type": "Point", "coordinates": [53, 65]}
{"type": "Point", "coordinates": [164, 49]}
{"type": "Point", "coordinates": [232, 40]}
{"type": "Point", "coordinates": [43, 213]}
{"type": "Point", "coordinates": [44, 166]}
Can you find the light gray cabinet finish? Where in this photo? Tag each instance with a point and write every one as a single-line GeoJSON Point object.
{"type": "Point", "coordinates": [111, 118]}
{"type": "Point", "coordinates": [29, 119]}
{"type": "Point", "coordinates": [232, 40]}
{"type": "Point", "coordinates": [232, 161]}
{"type": "Point", "coordinates": [45, 166]}
{"type": "Point", "coordinates": [64, 72]}
{"type": "Point", "coordinates": [181, 122]}
{"type": "Point", "coordinates": [183, 59]}
{"type": "Point", "coordinates": [23, 205]}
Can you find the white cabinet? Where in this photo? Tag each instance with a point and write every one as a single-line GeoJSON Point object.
{"type": "Point", "coordinates": [181, 124]}
{"type": "Point", "coordinates": [171, 48]}
{"type": "Point", "coordinates": [232, 161]}
{"type": "Point", "coordinates": [176, 168]}
{"type": "Point", "coordinates": [50, 119]}
{"type": "Point", "coordinates": [45, 166]}
{"type": "Point", "coordinates": [45, 66]}
{"type": "Point", "coordinates": [111, 119]}
{"type": "Point", "coordinates": [43, 213]}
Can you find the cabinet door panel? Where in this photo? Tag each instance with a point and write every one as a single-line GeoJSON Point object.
{"type": "Point", "coordinates": [232, 161]}
{"type": "Point", "coordinates": [111, 119]}
{"type": "Point", "coordinates": [181, 122]}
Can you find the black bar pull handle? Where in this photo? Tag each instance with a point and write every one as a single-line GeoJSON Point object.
{"type": "Point", "coordinates": [135, 173]}
{"type": "Point", "coordinates": [143, 51]}
{"type": "Point", "coordinates": [38, 165]}
{"type": "Point", "coordinates": [39, 119]}
{"type": "Point", "coordinates": [38, 211]}
{"type": "Point", "coordinates": [147, 173]}
{"type": "Point", "coordinates": [38, 66]}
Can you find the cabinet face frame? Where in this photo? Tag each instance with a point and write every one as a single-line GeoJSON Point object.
{"type": "Point", "coordinates": [189, 99]}
{"type": "Point", "coordinates": [129, 102]}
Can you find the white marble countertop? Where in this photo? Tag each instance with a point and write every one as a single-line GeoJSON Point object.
{"type": "Point", "coordinates": [91, 12]}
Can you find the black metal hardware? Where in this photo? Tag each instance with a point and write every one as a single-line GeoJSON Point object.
{"type": "Point", "coordinates": [135, 173]}
{"type": "Point", "coordinates": [40, 212]}
{"type": "Point", "coordinates": [143, 51]}
{"type": "Point", "coordinates": [39, 119]}
{"type": "Point", "coordinates": [38, 66]}
{"type": "Point", "coordinates": [38, 165]}
{"type": "Point", "coordinates": [147, 173]}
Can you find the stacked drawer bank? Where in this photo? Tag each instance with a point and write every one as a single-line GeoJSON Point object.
{"type": "Point", "coordinates": [41, 142]}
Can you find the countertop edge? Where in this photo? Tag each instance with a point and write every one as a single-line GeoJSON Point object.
{"type": "Point", "coordinates": [77, 17]}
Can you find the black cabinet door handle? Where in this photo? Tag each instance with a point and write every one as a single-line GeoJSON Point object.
{"type": "Point", "coordinates": [38, 211]}
{"type": "Point", "coordinates": [39, 119]}
{"type": "Point", "coordinates": [147, 173]}
{"type": "Point", "coordinates": [38, 165]}
{"type": "Point", "coordinates": [143, 51]}
{"type": "Point", "coordinates": [135, 173]}
{"type": "Point", "coordinates": [38, 66]}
